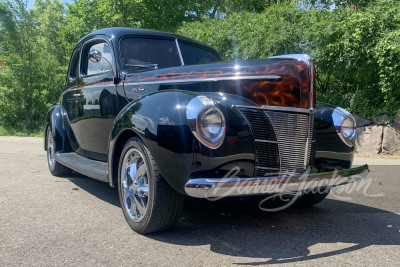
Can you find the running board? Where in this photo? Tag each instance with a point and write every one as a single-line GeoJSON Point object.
{"type": "Point", "coordinates": [94, 169]}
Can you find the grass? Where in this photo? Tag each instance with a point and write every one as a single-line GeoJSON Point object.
{"type": "Point", "coordinates": [6, 132]}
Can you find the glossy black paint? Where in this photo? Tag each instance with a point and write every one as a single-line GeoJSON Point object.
{"type": "Point", "coordinates": [55, 121]}
{"type": "Point", "coordinates": [272, 82]}
{"type": "Point", "coordinates": [97, 112]}
{"type": "Point", "coordinates": [92, 102]}
{"type": "Point", "coordinates": [159, 119]}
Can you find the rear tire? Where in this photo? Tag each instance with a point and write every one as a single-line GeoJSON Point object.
{"type": "Point", "coordinates": [56, 168]}
{"type": "Point", "coordinates": [148, 203]}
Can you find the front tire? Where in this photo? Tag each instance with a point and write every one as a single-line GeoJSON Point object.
{"type": "Point", "coordinates": [148, 203]}
{"type": "Point", "coordinates": [56, 168]}
{"type": "Point", "coordinates": [312, 198]}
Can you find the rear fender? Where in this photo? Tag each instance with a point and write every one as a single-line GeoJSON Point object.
{"type": "Point", "coordinates": [55, 121]}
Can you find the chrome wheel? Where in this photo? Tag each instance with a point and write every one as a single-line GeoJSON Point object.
{"type": "Point", "coordinates": [135, 184]}
{"type": "Point", "coordinates": [50, 150]}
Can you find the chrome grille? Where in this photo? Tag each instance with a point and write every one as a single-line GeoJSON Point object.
{"type": "Point", "coordinates": [294, 133]}
{"type": "Point", "coordinates": [266, 145]}
{"type": "Point", "coordinates": [284, 142]}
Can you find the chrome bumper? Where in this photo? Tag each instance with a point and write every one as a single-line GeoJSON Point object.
{"type": "Point", "coordinates": [224, 187]}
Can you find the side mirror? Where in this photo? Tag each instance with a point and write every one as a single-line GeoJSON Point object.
{"type": "Point", "coordinates": [94, 55]}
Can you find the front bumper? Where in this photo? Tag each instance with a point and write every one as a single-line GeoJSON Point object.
{"type": "Point", "coordinates": [225, 187]}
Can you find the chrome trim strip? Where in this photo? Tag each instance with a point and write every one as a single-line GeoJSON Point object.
{"type": "Point", "coordinates": [276, 108]}
{"type": "Point", "coordinates": [300, 57]}
{"type": "Point", "coordinates": [179, 52]}
{"type": "Point", "coordinates": [312, 93]}
{"type": "Point", "coordinates": [224, 187]}
{"type": "Point", "coordinates": [266, 168]}
{"type": "Point", "coordinates": [287, 109]}
{"type": "Point", "coordinates": [265, 141]}
{"type": "Point", "coordinates": [269, 77]}
{"type": "Point", "coordinates": [308, 148]}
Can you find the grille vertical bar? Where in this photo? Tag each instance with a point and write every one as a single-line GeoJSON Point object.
{"type": "Point", "coordinates": [294, 133]}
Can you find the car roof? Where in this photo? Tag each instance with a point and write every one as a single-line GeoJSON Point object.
{"type": "Point", "coordinates": [118, 32]}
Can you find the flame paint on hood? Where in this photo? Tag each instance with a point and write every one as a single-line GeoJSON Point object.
{"type": "Point", "coordinates": [272, 82]}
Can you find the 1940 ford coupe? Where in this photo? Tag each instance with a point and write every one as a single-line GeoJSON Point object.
{"type": "Point", "coordinates": [160, 117]}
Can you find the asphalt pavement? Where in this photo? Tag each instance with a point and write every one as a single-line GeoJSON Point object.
{"type": "Point", "coordinates": [75, 220]}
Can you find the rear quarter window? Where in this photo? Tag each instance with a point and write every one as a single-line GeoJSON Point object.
{"type": "Point", "coordinates": [193, 55]}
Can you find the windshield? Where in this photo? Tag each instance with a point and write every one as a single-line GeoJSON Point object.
{"type": "Point", "coordinates": [142, 52]}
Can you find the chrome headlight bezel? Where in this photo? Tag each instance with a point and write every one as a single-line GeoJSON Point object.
{"type": "Point", "coordinates": [197, 108]}
{"type": "Point", "coordinates": [340, 116]}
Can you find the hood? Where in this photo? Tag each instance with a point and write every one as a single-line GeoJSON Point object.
{"type": "Point", "coordinates": [285, 82]}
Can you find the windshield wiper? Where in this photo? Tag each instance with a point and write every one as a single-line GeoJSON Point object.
{"type": "Point", "coordinates": [143, 66]}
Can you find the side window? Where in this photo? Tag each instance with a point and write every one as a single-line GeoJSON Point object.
{"type": "Point", "coordinates": [73, 65]}
{"type": "Point", "coordinates": [91, 68]}
{"type": "Point", "coordinates": [193, 55]}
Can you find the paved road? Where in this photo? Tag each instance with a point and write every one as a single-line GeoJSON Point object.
{"type": "Point", "coordinates": [77, 221]}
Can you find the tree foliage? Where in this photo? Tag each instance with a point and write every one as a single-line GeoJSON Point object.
{"type": "Point", "coordinates": [355, 44]}
{"type": "Point", "coordinates": [35, 58]}
{"type": "Point", "coordinates": [356, 53]}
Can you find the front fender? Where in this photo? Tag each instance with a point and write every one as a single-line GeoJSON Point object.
{"type": "Point", "coordinates": [331, 151]}
{"type": "Point", "coordinates": [160, 121]}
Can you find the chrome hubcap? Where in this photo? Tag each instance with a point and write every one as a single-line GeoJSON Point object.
{"type": "Point", "coordinates": [50, 150]}
{"type": "Point", "coordinates": [135, 184]}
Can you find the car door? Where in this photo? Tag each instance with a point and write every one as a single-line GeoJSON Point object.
{"type": "Point", "coordinates": [93, 103]}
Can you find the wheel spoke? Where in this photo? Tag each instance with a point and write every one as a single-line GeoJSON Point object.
{"type": "Point", "coordinates": [140, 205]}
{"type": "Point", "coordinates": [140, 172]}
{"type": "Point", "coordinates": [132, 171]}
{"type": "Point", "coordinates": [126, 195]}
{"type": "Point", "coordinates": [144, 190]}
{"type": "Point", "coordinates": [132, 208]}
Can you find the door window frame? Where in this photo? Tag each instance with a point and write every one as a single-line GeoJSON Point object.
{"type": "Point", "coordinates": [85, 50]}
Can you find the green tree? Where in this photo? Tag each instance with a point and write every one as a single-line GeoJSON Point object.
{"type": "Point", "coordinates": [355, 53]}
{"type": "Point", "coordinates": [18, 81]}
{"type": "Point", "coordinates": [278, 30]}
{"type": "Point", "coordinates": [34, 55]}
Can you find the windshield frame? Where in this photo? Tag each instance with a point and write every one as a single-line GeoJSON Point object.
{"type": "Point", "coordinates": [177, 41]}
{"type": "Point", "coordinates": [124, 66]}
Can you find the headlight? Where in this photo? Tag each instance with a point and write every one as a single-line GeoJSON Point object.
{"type": "Point", "coordinates": [211, 126]}
{"type": "Point", "coordinates": [345, 126]}
{"type": "Point", "coordinates": [206, 121]}
{"type": "Point", "coordinates": [348, 128]}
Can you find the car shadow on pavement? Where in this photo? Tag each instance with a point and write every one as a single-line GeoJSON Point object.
{"type": "Point", "coordinates": [237, 227]}
{"type": "Point", "coordinates": [98, 189]}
